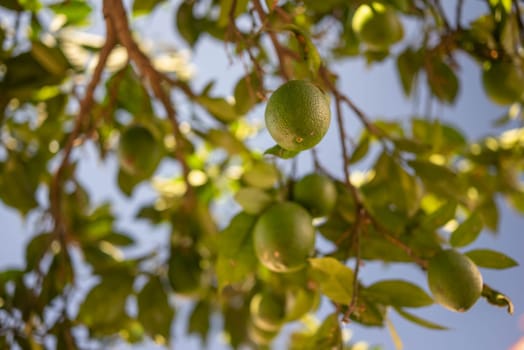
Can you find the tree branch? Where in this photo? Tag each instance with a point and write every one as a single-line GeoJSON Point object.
{"type": "Point", "coordinates": [150, 74]}
{"type": "Point", "coordinates": [55, 191]}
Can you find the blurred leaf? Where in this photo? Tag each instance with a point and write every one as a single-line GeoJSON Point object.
{"type": "Point", "coordinates": [420, 321]}
{"type": "Point", "coordinates": [248, 92]}
{"type": "Point", "coordinates": [36, 249]}
{"type": "Point", "coordinates": [219, 108]}
{"type": "Point", "coordinates": [335, 279]}
{"type": "Point", "coordinates": [361, 149]}
{"type": "Point", "coordinates": [491, 259]}
{"type": "Point", "coordinates": [154, 312]}
{"type": "Point", "coordinates": [130, 93]}
{"type": "Point", "coordinates": [226, 140]}
{"type": "Point", "coordinates": [467, 231]}
{"type": "Point", "coordinates": [398, 293]}
{"type": "Point", "coordinates": [199, 321]}
{"type": "Point", "coordinates": [103, 309]}
{"type": "Point", "coordinates": [51, 58]}
{"type": "Point", "coordinates": [226, 10]}
{"type": "Point", "coordinates": [145, 7]}
{"type": "Point", "coordinates": [253, 200]}
{"type": "Point", "coordinates": [409, 64]}
{"type": "Point", "coordinates": [76, 11]}
{"type": "Point", "coordinates": [187, 25]}
{"type": "Point", "coordinates": [328, 335]}
{"type": "Point", "coordinates": [442, 80]}
{"type": "Point", "coordinates": [281, 152]}
{"type": "Point", "coordinates": [236, 255]}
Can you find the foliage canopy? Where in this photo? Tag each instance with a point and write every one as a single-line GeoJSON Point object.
{"type": "Point", "coordinates": [427, 187]}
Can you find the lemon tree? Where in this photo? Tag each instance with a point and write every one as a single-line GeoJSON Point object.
{"type": "Point", "coordinates": [163, 197]}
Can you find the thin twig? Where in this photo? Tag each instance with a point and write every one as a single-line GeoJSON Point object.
{"type": "Point", "coordinates": [86, 103]}
{"type": "Point", "coordinates": [151, 75]}
{"type": "Point", "coordinates": [518, 14]}
{"type": "Point", "coordinates": [284, 71]}
{"type": "Point", "coordinates": [361, 216]}
{"type": "Point", "coordinates": [442, 14]}
{"type": "Point", "coordinates": [458, 14]}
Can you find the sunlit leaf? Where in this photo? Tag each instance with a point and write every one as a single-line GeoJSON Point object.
{"type": "Point", "coordinates": [420, 321]}
{"type": "Point", "coordinates": [335, 279]}
{"type": "Point", "coordinates": [398, 293]}
{"type": "Point", "coordinates": [491, 259]}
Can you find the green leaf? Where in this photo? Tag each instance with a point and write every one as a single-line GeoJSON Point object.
{"type": "Point", "coordinates": [104, 308]}
{"type": "Point", "coordinates": [335, 279]}
{"type": "Point", "coordinates": [280, 152]}
{"type": "Point", "coordinates": [420, 321]}
{"type": "Point", "coordinates": [219, 108]}
{"type": "Point", "coordinates": [145, 7]}
{"type": "Point", "coordinates": [438, 178]}
{"type": "Point", "coordinates": [328, 335]}
{"type": "Point", "coordinates": [408, 66]}
{"type": "Point", "coordinates": [226, 140]}
{"type": "Point", "coordinates": [253, 200]}
{"type": "Point", "coordinates": [187, 25]}
{"type": "Point", "coordinates": [467, 231]}
{"type": "Point", "coordinates": [154, 311]}
{"type": "Point", "coordinates": [199, 321]}
{"type": "Point", "coordinates": [361, 149]}
{"type": "Point", "coordinates": [76, 11]}
{"type": "Point", "coordinates": [442, 80]}
{"type": "Point", "coordinates": [36, 250]}
{"type": "Point", "coordinates": [131, 94]}
{"type": "Point", "coordinates": [398, 293]}
{"type": "Point", "coordinates": [226, 11]}
{"type": "Point", "coordinates": [247, 93]}
{"type": "Point", "coordinates": [491, 259]}
{"type": "Point", "coordinates": [236, 254]}
{"type": "Point", "coordinates": [51, 58]}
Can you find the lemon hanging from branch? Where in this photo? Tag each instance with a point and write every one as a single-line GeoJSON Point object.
{"type": "Point", "coordinates": [297, 115]}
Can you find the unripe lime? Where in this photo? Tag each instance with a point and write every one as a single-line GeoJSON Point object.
{"type": "Point", "coordinates": [503, 83]}
{"type": "Point", "coordinates": [284, 237]}
{"type": "Point", "coordinates": [184, 271]}
{"type": "Point", "coordinates": [297, 115]}
{"type": "Point", "coordinates": [454, 280]}
{"type": "Point", "coordinates": [268, 310]}
{"type": "Point", "coordinates": [138, 151]}
{"type": "Point", "coordinates": [377, 25]}
{"type": "Point", "coordinates": [317, 193]}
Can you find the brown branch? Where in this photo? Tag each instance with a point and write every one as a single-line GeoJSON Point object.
{"type": "Point", "coordinates": [150, 74]}
{"type": "Point", "coordinates": [86, 103]}
{"type": "Point", "coordinates": [458, 14]}
{"type": "Point", "coordinates": [357, 230]}
{"type": "Point", "coordinates": [398, 243]}
{"type": "Point", "coordinates": [284, 71]}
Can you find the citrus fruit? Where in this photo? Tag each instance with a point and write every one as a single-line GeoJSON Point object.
{"type": "Point", "coordinates": [503, 83]}
{"type": "Point", "coordinates": [284, 237]}
{"type": "Point", "coordinates": [454, 280]}
{"type": "Point", "coordinates": [268, 310]}
{"type": "Point", "coordinates": [184, 271]}
{"type": "Point", "coordinates": [260, 336]}
{"type": "Point", "coordinates": [317, 193]}
{"type": "Point", "coordinates": [138, 151]}
{"type": "Point", "coordinates": [299, 302]}
{"type": "Point", "coordinates": [377, 25]}
{"type": "Point", "coordinates": [297, 115]}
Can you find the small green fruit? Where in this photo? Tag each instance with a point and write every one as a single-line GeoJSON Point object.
{"type": "Point", "coordinates": [268, 310]}
{"type": "Point", "coordinates": [284, 237]}
{"type": "Point", "coordinates": [454, 280]}
{"type": "Point", "coordinates": [317, 193]}
{"type": "Point", "coordinates": [138, 151]}
{"type": "Point", "coordinates": [377, 25]}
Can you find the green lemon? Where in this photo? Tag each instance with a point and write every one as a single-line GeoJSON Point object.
{"type": "Point", "coordinates": [454, 280]}
{"type": "Point", "coordinates": [317, 193]}
{"type": "Point", "coordinates": [377, 25]}
{"type": "Point", "coordinates": [297, 115]}
{"type": "Point", "coordinates": [138, 151]}
{"type": "Point", "coordinates": [284, 237]}
{"type": "Point", "coordinates": [268, 310]}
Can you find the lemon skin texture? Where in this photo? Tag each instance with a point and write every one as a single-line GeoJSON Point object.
{"type": "Point", "coordinates": [297, 115]}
